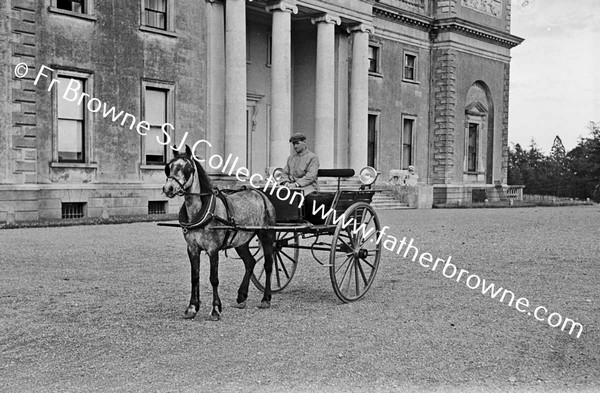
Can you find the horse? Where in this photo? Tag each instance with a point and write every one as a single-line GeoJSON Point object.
{"type": "Point", "coordinates": [206, 207]}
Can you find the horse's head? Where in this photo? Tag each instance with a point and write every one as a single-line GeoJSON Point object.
{"type": "Point", "coordinates": [180, 174]}
{"type": "Point", "coordinates": [181, 171]}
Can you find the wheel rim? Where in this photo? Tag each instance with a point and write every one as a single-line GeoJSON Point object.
{"type": "Point", "coordinates": [285, 261]}
{"type": "Point", "coordinates": [354, 257]}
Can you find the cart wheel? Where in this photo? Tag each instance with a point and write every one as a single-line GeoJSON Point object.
{"type": "Point", "coordinates": [285, 260]}
{"type": "Point", "coordinates": [354, 257]}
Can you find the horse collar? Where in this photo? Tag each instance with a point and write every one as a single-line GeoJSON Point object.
{"type": "Point", "coordinates": [203, 217]}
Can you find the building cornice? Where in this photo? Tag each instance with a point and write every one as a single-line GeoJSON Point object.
{"type": "Point", "coordinates": [475, 30]}
{"type": "Point", "coordinates": [405, 17]}
{"type": "Point", "coordinates": [437, 26]}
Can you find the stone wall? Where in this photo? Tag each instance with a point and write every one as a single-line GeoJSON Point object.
{"type": "Point", "coordinates": [444, 119]}
{"type": "Point", "coordinates": [24, 109]}
{"type": "Point", "coordinates": [505, 102]}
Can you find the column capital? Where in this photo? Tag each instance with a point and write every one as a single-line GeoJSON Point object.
{"type": "Point", "coordinates": [326, 18]}
{"type": "Point", "coordinates": [362, 28]}
{"type": "Point", "coordinates": [283, 5]}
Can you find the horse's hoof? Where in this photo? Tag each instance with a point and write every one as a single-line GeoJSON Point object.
{"type": "Point", "coordinates": [264, 304]}
{"type": "Point", "coordinates": [214, 315]}
{"type": "Point", "coordinates": [241, 305]}
{"type": "Point", "coordinates": [189, 314]}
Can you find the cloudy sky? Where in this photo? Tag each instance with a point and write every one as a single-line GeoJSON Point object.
{"type": "Point", "coordinates": [555, 82]}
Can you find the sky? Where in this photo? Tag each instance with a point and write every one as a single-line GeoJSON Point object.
{"type": "Point", "coordinates": [555, 72]}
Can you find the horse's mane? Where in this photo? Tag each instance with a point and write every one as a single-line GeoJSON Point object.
{"type": "Point", "coordinates": [203, 179]}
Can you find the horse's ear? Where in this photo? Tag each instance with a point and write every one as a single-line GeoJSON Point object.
{"type": "Point", "coordinates": [188, 151]}
{"type": "Point", "coordinates": [168, 170]}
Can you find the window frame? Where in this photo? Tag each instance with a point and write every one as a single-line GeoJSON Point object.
{"type": "Point", "coordinates": [475, 114]}
{"type": "Point", "coordinates": [88, 10]}
{"type": "Point", "coordinates": [377, 134]}
{"type": "Point", "coordinates": [472, 128]}
{"type": "Point", "coordinates": [378, 50]}
{"type": "Point", "coordinates": [415, 68]}
{"type": "Point", "coordinates": [412, 144]}
{"type": "Point", "coordinates": [169, 87]}
{"type": "Point", "coordinates": [88, 121]}
{"type": "Point", "coordinates": [269, 49]}
{"type": "Point", "coordinates": [169, 20]}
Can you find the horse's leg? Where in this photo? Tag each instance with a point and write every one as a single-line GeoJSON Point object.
{"type": "Point", "coordinates": [194, 255]}
{"type": "Point", "coordinates": [249, 262]}
{"type": "Point", "coordinates": [267, 238]}
{"type": "Point", "coordinates": [215, 313]}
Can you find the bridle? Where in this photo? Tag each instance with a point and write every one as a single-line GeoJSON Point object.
{"type": "Point", "coordinates": [182, 187]}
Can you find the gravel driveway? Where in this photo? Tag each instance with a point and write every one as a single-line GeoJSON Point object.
{"type": "Point", "coordinates": [98, 308]}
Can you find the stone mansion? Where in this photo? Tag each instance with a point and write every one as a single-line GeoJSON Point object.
{"type": "Point", "coordinates": [385, 83]}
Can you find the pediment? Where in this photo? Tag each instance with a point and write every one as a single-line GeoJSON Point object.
{"type": "Point", "coordinates": [476, 108]}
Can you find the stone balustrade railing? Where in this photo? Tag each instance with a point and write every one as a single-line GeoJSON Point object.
{"type": "Point", "coordinates": [515, 192]}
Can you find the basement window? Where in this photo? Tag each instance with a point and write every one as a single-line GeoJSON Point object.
{"type": "Point", "coordinates": [157, 207]}
{"type": "Point", "coordinates": [73, 210]}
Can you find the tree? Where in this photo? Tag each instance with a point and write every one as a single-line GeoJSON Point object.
{"type": "Point", "coordinates": [574, 174]}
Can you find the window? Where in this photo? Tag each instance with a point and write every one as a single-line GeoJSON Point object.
{"type": "Point", "coordinates": [157, 111]}
{"type": "Point", "coordinates": [374, 58]}
{"type": "Point", "coordinates": [71, 124]}
{"type": "Point", "coordinates": [372, 141]}
{"type": "Point", "coordinates": [408, 127]}
{"type": "Point", "coordinates": [71, 120]}
{"type": "Point", "coordinates": [410, 67]}
{"type": "Point", "coordinates": [157, 207]}
{"type": "Point", "coordinates": [71, 5]}
{"type": "Point", "coordinates": [472, 143]}
{"type": "Point", "coordinates": [156, 115]}
{"type": "Point", "coordinates": [82, 9]}
{"type": "Point", "coordinates": [73, 210]}
{"type": "Point", "coordinates": [157, 16]}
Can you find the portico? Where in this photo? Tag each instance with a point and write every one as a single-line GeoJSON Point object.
{"type": "Point", "coordinates": [293, 85]}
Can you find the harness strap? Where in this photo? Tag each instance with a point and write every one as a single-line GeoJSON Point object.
{"type": "Point", "coordinates": [230, 221]}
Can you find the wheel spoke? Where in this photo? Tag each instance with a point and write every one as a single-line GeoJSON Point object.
{"type": "Point", "coordinates": [367, 262]}
{"type": "Point", "coordinates": [373, 233]}
{"type": "Point", "coordinates": [276, 263]}
{"type": "Point", "coordinates": [346, 271]}
{"type": "Point", "coordinates": [341, 265]}
{"type": "Point", "coordinates": [262, 270]}
{"type": "Point", "coordinates": [260, 258]}
{"type": "Point", "coordinates": [283, 268]}
{"type": "Point", "coordinates": [356, 263]}
{"type": "Point", "coordinates": [346, 244]}
{"type": "Point", "coordinates": [287, 256]}
{"type": "Point", "coordinates": [284, 263]}
{"type": "Point", "coordinates": [362, 272]}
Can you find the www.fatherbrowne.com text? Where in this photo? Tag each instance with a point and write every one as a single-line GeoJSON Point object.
{"type": "Point", "coordinates": [448, 269]}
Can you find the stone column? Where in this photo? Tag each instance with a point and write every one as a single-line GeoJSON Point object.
{"type": "Point", "coordinates": [235, 80]}
{"type": "Point", "coordinates": [359, 95]}
{"type": "Point", "coordinates": [216, 80]}
{"type": "Point", "coordinates": [281, 81]}
{"type": "Point", "coordinates": [325, 89]}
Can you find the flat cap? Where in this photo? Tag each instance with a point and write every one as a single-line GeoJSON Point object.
{"type": "Point", "coordinates": [297, 137]}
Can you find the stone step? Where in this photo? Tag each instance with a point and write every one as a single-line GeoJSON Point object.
{"type": "Point", "coordinates": [380, 201]}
